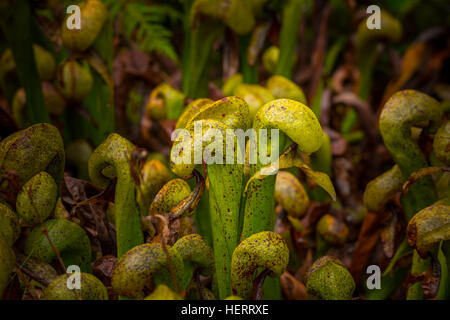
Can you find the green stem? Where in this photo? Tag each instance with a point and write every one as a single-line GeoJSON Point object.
{"type": "Point", "coordinates": [225, 189]}
{"type": "Point", "coordinates": [366, 68]}
{"type": "Point", "coordinates": [200, 42]}
{"type": "Point", "coordinates": [185, 60]}
{"type": "Point", "coordinates": [202, 219]}
{"type": "Point", "coordinates": [317, 99]}
{"type": "Point", "coordinates": [249, 73]}
{"type": "Point", "coordinates": [17, 27]}
{"type": "Point", "coordinates": [114, 153]}
{"type": "Point", "coordinates": [389, 283]}
{"type": "Point", "coordinates": [321, 161]}
{"type": "Point", "coordinates": [419, 265]}
{"type": "Point", "coordinates": [403, 250]}
{"type": "Point", "coordinates": [292, 15]}
{"type": "Point", "coordinates": [259, 207]}
{"type": "Point", "coordinates": [100, 101]}
{"type": "Point", "coordinates": [444, 283]}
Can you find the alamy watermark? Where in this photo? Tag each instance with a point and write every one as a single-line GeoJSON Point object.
{"type": "Point", "coordinates": [215, 146]}
{"type": "Point", "coordinates": [374, 20]}
{"type": "Point", "coordinates": [73, 21]}
{"type": "Point", "coordinates": [374, 280]}
{"type": "Point", "coordinates": [74, 280]}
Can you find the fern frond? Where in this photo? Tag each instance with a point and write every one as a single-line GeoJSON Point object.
{"type": "Point", "coordinates": [145, 23]}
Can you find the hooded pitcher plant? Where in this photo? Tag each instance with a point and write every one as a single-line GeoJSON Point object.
{"type": "Point", "coordinates": [93, 16]}
{"type": "Point", "coordinates": [54, 102]}
{"type": "Point", "coordinates": [376, 195]}
{"type": "Point", "coordinates": [91, 288]}
{"type": "Point", "coordinates": [36, 199]}
{"type": "Point", "coordinates": [297, 123]}
{"type": "Point", "coordinates": [111, 160]}
{"type": "Point", "coordinates": [270, 59]}
{"type": "Point", "coordinates": [277, 87]}
{"type": "Point", "coordinates": [165, 102]}
{"type": "Point", "coordinates": [69, 238]}
{"type": "Point", "coordinates": [202, 217]}
{"type": "Point", "coordinates": [329, 279]}
{"type": "Point", "coordinates": [177, 202]}
{"type": "Point", "coordinates": [45, 63]}
{"type": "Point", "coordinates": [163, 292]}
{"type": "Point", "coordinates": [238, 15]}
{"type": "Point", "coordinates": [225, 180]}
{"type": "Point", "coordinates": [428, 227]}
{"type": "Point", "coordinates": [294, 122]}
{"type": "Point", "coordinates": [291, 195]}
{"type": "Point", "coordinates": [381, 189]}
{"type": "Point", "coordinates": [196, 254]}
{"type": "Point", "coordinates": [162, 264]}
{"type": "Point", "coordinates": [404, 110]}
{"type": "Point", "coordinates": [30, 151]}
{"type": "Point", "coordinates": [154, 174]}
{"type": "Point", "coordinates": [150, 261]}
{"type": "Point", "coordinates": [426, 231]}
{"type": "Point", "coordinates": [254, 94]}
{"type": "Point", "coordinates": [265, 250]}
{"type": "Point", "coordinates": [170, 195]}
{"type": "Point", "coordinates": [36, 155]}
{"type": "Point", "coordinates": [283, 88]}
{"type": "Point", "coordinates": [431, 225]}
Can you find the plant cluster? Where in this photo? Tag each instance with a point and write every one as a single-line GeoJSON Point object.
{"type": "Point", "coordinates": [90, 175]}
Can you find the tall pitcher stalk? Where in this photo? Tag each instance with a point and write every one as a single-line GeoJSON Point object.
{"type": "Point", "coordinates": [299, 124]}
{"type": "Point", "coordinates": [225, 180]}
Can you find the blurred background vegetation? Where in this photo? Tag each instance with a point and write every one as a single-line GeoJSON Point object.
{"type": "Point", "coordinates": [159, 40]}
